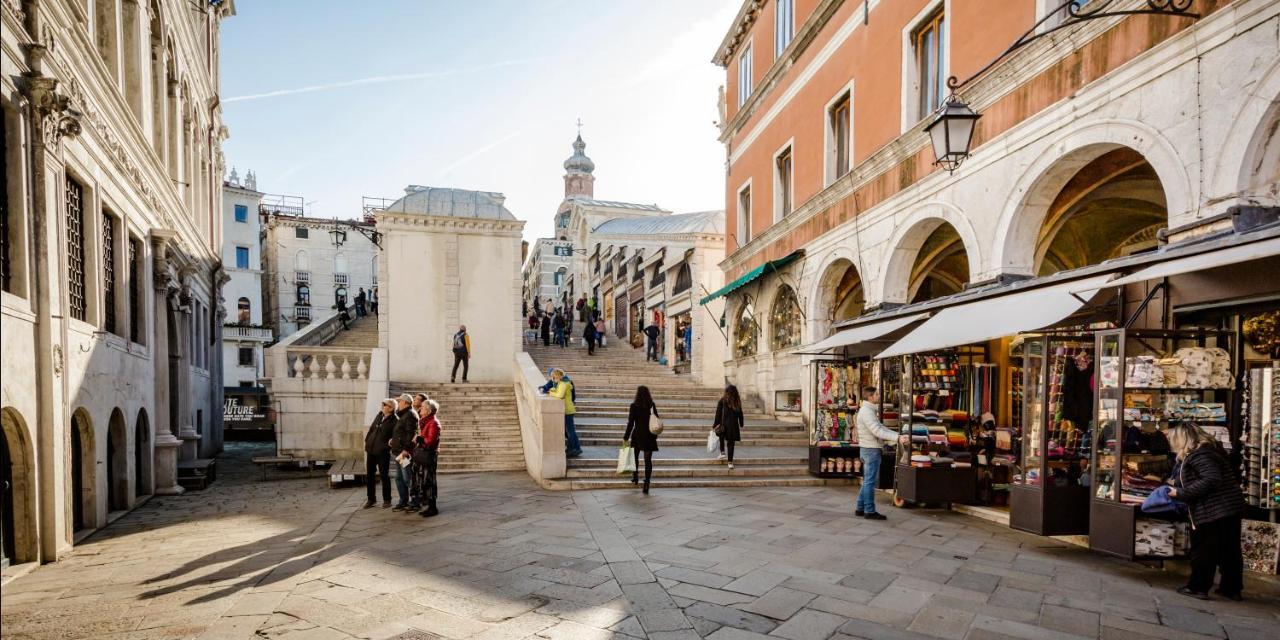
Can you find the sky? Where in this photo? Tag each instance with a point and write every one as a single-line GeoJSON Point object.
{"type": "Point", "coordinates": [333, 100]}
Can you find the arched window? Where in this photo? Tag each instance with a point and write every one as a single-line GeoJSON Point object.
{"type": "Point", "coordinates": [684, 278]}
{"type": "Point", "coordinates": [304, 295]}
{"type": "Point", "coordinates": [340, 296]}
{"type": "Point", "coordinates": [301, 261]}
{"type": "Point", "coordinates": [242, 311]}
{"type": "Point", "coordinates": [784, 320]}
{"type": "Point", "coordinates": [340, 263]}
{"type": "Point", "coordinates": [746, 333]}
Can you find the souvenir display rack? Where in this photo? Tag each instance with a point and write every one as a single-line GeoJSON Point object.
{"type": "Point", "coordinates": [1147, 380]}
{"type": "Point", "coordinates": [1048, 495]}
{"type": "Point", "coordinates": [936, 466]}
{"type": "Point", "coordinates": [1261, 434]}
{"type": "Point", "coordinates": [833, 437]}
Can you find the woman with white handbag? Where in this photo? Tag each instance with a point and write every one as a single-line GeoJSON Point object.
{"type": "Point", "coordinates": [643, 427]}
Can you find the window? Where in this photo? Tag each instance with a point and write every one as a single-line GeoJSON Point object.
{"type": "Point", "coordinates": [744, 215]}
{"type": "Point", "coordinates": [243, 309]}
{"type": "Point", "coordinates": [558, 278]}
{"type": "Point", "coordinates": [784, 320]}
{"type": "Point", "coordinates": [744, 75]}
{"type": "Point", "coordinates": [242, 213]}
{"type": "Point", "coordinates": [784, 25]}
{"type": "Point", "coordinates": [565, 251]}
{"type": "Point", "coordinates": [109, 273]}
{"type": "Point", "coordinates": [746, 333]}
{"type": "Point", "coordinates": [301, 232]}
{"type": "Point", "coordinates": [340, 267]}
{"type": "Point", "coordinates": [242, 257]}
{"type": "Point", "coordinates": [782, 195]}
{"type": "Point", "coordinates": [684, 279]}
{"type": "Point", "coordinates": [304, 295]}
{"type": "Point", "coordinates": [246, 356]}
{"type": "Point", "coordinates": [301, 261]}
{"type": "Point", "coordinates": [75, 249]}
{"type": "Point", "coordinates": [135, 290]}
{"type": "Point", "coordinates": [6, 247]}
{"type": "Point", "coordinates": [340, 296]}
{"type": "Point", "coordinates": [246, 383]}
{"type": "Point", "coordinates": [839, 142]}
{"type": "Point", "coordinates": [931, 45]}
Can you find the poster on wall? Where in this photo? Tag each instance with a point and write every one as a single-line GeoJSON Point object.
{"type": "Point", "coordinates": [246, 408]}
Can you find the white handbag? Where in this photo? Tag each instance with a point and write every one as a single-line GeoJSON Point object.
{"type": "Point", "coordinates": [655, 424]}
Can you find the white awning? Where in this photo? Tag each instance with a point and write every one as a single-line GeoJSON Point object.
{"type": "Point", "coordinates": [1201, 261]}
{"type": "Point", "coordinates": [998, 317]}
{"type": "Point", "coordinates": [862, 333]}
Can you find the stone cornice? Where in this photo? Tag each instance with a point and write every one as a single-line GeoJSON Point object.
{"type": "Point", "coordinates": [395, 221]}
{"type": "Point", "coordinates": [658, 238]}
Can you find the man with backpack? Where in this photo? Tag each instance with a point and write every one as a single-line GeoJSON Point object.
{"type": "Point", "coordinates": [461, 353]}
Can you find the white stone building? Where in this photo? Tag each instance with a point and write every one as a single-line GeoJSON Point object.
{"type": "Point", "coordinates": [243, 333]}
{"type": "Point", "coordinates": [112, 135]}
{"type": "Point", "coordinates": [546, 271]}
{"type": "Point", "coordinates": [308, 263]}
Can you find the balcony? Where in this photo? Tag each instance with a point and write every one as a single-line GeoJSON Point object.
{"type": "Point", "coordinates": [246, 332]}
{"type": "Point", "coordinates": [302, 277]}
{"type": "Point", "coordinates": [302, 314]}
{"type": "Point", "coordinates": [340, 279]}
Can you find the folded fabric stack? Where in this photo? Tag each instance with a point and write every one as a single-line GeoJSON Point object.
{"type": "Point", "coordinates": [956, 437]}
{"type": "Point", "coordinates": [1143, 371]}
{"type": "Point", "coordinates": [1160, 538]}
{"type": "Point", "coordinates": [1134, 488]}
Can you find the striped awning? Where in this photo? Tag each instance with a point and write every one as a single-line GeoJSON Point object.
{"type": "Point", "coordinates": [768, 267]}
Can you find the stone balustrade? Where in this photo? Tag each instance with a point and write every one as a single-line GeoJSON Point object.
{"type": "Point", "coordinates": [327, 363]}
{"type": "Point", "coordinates": [541, 425]}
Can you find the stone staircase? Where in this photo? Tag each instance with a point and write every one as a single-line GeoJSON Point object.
{"type": "Point", "coordinates": [772, 452]}
{"type": "Point", "coordinates": [480, 426]}
{"type": "Point", "coordinates": [360, 333]}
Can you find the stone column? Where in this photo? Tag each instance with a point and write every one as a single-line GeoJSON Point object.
{"type": "Point", "coordinates": [182, 361]}
{"type": "Point", "coordinates": [165, 467]}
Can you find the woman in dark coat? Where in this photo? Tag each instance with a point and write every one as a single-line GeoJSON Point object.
{"type": "Point", "coordinates": [638, 433]}
{"type": "Point", "coordinates": [546, 330]}
{"type": "Point", "coordinates": [729, 421]}
{"type": "Point", "coordinates": [1209, 487]}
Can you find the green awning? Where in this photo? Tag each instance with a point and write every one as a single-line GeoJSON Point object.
{"type": "Point", "coordinates": [768, 267]}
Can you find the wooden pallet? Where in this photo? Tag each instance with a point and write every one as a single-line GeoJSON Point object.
{"type": "Point", "coordinates": [346, 470]}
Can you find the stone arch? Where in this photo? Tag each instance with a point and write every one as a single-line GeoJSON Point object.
{"type": "Point", "coordinates": [837, 293]}
{"type": "Point", "coordinates": [896, 284]}
{"type": "Point", "coordinates": [118, 494]}
{"type": "Point", "coordinates": [785, 320]}
{"type": "Point", "coordinates": [1014, 245]}
{"type": "Point", "coordinates": [21, 540]}
{"type": "Point", "coordinates": [1250, 140]}
{"type": "Point", "coordinates": [82, 469]}
{"type": "Point", "coordinates": [744, 319]}
{"type": "Point", "coordinates": [142, 454]}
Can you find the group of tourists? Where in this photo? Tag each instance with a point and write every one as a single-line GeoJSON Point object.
{"type": "Point", "coordinates": [555, 324]}
{"type": "Point", "coordinates": [405, 432]}
{"type": "Point", "coordinates": [365, 303]}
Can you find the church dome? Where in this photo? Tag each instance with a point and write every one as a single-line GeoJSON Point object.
{"type": "Point", "coordinates": [579, 162]}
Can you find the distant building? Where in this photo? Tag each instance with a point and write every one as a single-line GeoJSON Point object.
{"type": "Point", "coordinates": [244, 335]}
{"type": "Point", "coordinates": [311, 263]}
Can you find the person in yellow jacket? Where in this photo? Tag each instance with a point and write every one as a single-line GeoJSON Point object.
{"type": "Point", "coordinates": [564, 391]}
{"type": "Point", "coordinates": [461, 353]}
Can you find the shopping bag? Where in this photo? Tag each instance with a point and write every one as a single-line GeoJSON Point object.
{"type": "Point", "coordinates": [655, 424]}
{"type": "Point", "coordinates": [626, 461]}
{"type": "Point", "coordinates": [713, 442]}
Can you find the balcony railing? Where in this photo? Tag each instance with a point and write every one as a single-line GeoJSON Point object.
{"type": "Point", "coordinates": [302, 277]}
{"type": "Point", "coordinates": [245, 332]}
{"type": "Point", "coordinates": [340, 279]}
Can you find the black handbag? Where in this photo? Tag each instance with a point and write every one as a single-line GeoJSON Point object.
{"type": "Point", "coordinates": [421, 456]}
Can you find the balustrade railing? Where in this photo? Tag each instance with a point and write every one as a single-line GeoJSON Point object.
{"type": "Point", "coordinates": [326, 363]}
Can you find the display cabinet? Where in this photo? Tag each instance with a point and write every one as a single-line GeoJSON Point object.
{"type": "Point", "coordinates": [1048, 493]}
{"type": "Point", "coordinates": [935, 465]}
{"type": "Point", "coordinates": [833, 436]}
{"type": "Point", "coordinates": [1147, 380]}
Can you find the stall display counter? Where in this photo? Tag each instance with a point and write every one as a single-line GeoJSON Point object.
{"type": "Point", "coordinates": [833, 438]}
{"type": "Point", "coordinates": [1048, 495]}
{"type": "Point", "coordinates": [1148, 380]}
{"type": "Point", "coordinates": [936, 466]}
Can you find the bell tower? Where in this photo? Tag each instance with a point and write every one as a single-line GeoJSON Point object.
{"type": "Point", "coordinates": [578, 180]}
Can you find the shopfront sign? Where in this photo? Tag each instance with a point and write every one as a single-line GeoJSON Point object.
{"type": "Point", "coordinates": [246, 410]}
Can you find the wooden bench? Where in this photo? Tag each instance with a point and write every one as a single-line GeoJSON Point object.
{"type": "Point", "coordinates": [346, 470]}
{"type": "Point", "coordinates": [197, 474]}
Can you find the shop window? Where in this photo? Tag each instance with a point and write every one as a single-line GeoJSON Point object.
{"type": "Point", "coordinates": [784, 320]}
{"type": "Point", "coordinates": [242, 213]}
{"type": "Point", "coordinates": [744, 75]}
{"type": "Point", "coordinates": [136, 320]}
{"type": "Point", "coordinates": [75, 250]}
{"type": "Point", "coordinates": [839, 138]}
{"type": "Point", "coordinates": [930, 41]}
{"type": "Point", "coordinates": [744, 215]}
{"type": "Point", "coordinates": [782, 184]}
{"type": "Point", "coordinates": [746, 333]}
{"type": "Point", "coordinates": [246, 356]}
{"type": "Point", "coordinates": [109, 272]}
{"type": "Point", "coordinates": [784, 25]}
{"type": "Point", "coordinates": [242, 257]}
{"type": "Point", "coordinates": [684, 278]}
{"type": "Point", "coordinates": [243, 311]}
{"type": "Point", "coordinates": [301, 232]}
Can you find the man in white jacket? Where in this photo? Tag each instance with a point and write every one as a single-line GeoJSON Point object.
{"type": "Point", "coordinates": [872, 434]}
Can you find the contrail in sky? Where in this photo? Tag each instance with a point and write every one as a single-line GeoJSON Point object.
{"type": "Point", "coordinates": [380, 80]}
{"type": "Point", "coordinates": [477, 153]}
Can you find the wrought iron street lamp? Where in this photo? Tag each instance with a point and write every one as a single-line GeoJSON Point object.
{"type": "Point", "coordinates": [951, 132]}
{"type": "Point", "coordinates": [337, 235]}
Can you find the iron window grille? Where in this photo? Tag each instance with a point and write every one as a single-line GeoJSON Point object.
{"type": "Point", "coordinates": [135, 290]}
{"type": "Point", "coordinates": [75, 249]}
{"type": "Point", "coordinates": [109, 272]}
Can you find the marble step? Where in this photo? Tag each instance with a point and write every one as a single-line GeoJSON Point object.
{"type": "Point", "coordinates": [710, 460]}
{"type": "Point", "coordinates": [663, 470]}
{"type": "Point", "coordinates": [624, 482]}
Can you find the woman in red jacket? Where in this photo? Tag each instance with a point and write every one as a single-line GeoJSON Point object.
{"type": "Point", "coordinates": [429, 444]}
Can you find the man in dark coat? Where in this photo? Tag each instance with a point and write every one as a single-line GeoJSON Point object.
{"type": "Point", "coordinates": [546, 330]}
{"type": "Point", "coordinates": [401, 444]}
{"type": "Point", "coordinates": [377, 453]}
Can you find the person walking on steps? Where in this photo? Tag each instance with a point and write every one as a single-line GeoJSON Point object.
{"type": "Point", "coordinates": [341, 306]}
{"type": "Point", "coordinates": [377, 453]}
{"type": "Point", "coordinates": [373, 300]}
{"type": "Point", "coordinates": [729, 421]}
{"type": "Point", "coordinates": [360, 302]}
{"type": "Point", "coordinates": [545, 329]}
{"type": "Point", "coordinates": [401, 445]}
{"type": "Point", "coordinates": [1206, 482]}
{"type": "Point", "coordinates": [651, 333]}
{"type": "Point", "coordinates": [638, 434]}
{"type": "Point", "coordinates": [564, 391]}
{"type": "Point", "coordinates": [461, 353]}
{"type": "Point", "coordinates": [873, 433]}
{"type": "Point", "coordinates": [558, 325]}
{"type": "Point", "coordinates": [427, 454]}
{"type": "Point", "coordinates": [600, 337]}
{"type": "Point", "coordinates": [589, 336]}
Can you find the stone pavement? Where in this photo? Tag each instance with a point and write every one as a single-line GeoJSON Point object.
{"type": "Point", "coordinates": [293, 559]}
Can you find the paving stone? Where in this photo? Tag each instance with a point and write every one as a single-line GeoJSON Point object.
{"type": "Point", "coordinates": [869, 581]}
{"type": "Point", "coordinates": [730, 617]}
{"type": "Point", "coordinates": [779, 603]}
{"type": "Point", "coordinates": [810, 625]}
{"type": "Point", "coordinates": [901, 599]}
{"type": "Point", "coordinates": [693, 576]}
{"type": "Point", "coordinates": [629, 626]}
{"type": "Point", "coordinates": [567, 630]}
{"type": "Point", "coordinates": [1019, 629]}
{"type": "Point", "coordinates": [682, 634]}
{"type": "Point", "coordinates": [756, 583]}
{"type": "Point", "coordinates": [631, 572]}
{"type": "Point", "coordinates": [1016, 599]}
{"type": "Point", "coordinates": [867, 630]}
{"type": "Point", "coordinates": [942, 622]}
{"type": "Point", "coordinates": [663, 620]}
{"type": "Point", "coordinates": [707, 594]}
{"type": "Point", "coordinates": [730, 633]}
{"type": "Point", "coordinates": [1068, 620]}
{"type": "Point", "coordinates": [974, 580]}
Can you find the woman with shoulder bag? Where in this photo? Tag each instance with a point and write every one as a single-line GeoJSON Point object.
{"type": "Point", "coordinates": [643, 426]}
{"type": "Point", "coordinates": [1206, 482]}
{"type": "Point", "coordinates": [729, 421]}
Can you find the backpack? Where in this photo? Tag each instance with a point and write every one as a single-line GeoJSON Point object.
{"type": "Point", "coordinates": [459, 340]}
{"type": "Point", "coordinates": [573, 391]}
